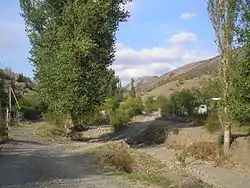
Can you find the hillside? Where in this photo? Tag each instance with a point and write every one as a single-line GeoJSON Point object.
{"type": "Point", "coordinates": [186, 77]}
{"type": "Point", "coordinates": [20, 83]}
{"type": "Point", "coordinates": [141, 82]}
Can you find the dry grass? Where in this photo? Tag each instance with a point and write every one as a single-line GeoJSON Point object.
{"type": "Point", "coordinates": [173, 86]}
{"type": "Point", "coordinates": [204, 150]}
{"type": "Point", "coordinates": [187, 72]}
{"type": "Point", "coordinates": [194, 143]}
{"type": "Point", "coordinates": [121, 157]}
{"type": "Point", "coordinates": [50, 131]}
{"type": "Point", "coordinates": [189, 136]}
{"type": "Point", "coordinates": [130, 163]}
{"type": "Point", "coordinates": [113, 155]}
{"type": "Point", "coordinates": [204, 147]}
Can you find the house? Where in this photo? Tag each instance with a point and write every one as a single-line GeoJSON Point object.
{"type": "Point", "coordinates": [202, 109]}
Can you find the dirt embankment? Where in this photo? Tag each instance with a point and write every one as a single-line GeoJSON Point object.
{"type": "Point", "coordinates": [146, 138]}
{"type": "Point", "coordinates": [167, 140]}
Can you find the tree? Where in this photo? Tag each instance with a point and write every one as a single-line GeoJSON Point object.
{"type": "Point", "coordinates": [72, 47]}
{"type": "Point", "coordinates": [132, 93]}
{"type": "Point", "coordinates": [3, 97]}
{"type": "Point", "coordinates": [240, 71]}
{"type": "Point", "coordinates": [223, 14]}
{"type": "Point", "coordinates": [181, 101]}
{"type": "Point", "coordinates": [115, 88]}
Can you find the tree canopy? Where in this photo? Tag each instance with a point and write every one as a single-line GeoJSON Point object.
{"type": "Point", "coordinates": [73, 44]}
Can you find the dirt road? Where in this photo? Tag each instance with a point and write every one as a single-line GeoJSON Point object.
{"type": "Point", "coordinates": [26, 163]}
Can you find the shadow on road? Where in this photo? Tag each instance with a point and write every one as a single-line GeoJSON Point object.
{"type": "Point", "coordinates": [40, 168]}
{"type": "Point", "coordinates": [141, 134]}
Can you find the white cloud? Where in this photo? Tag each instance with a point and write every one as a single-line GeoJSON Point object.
{"type": "Point", "coordinates": [188, 15]}
{"type": "Point", "coordinates": [183, 38]}
{"type": "Point", "coordinates": [152, 61]}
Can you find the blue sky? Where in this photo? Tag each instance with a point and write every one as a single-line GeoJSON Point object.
{"type": "Point", "coordinates": [156, 38]}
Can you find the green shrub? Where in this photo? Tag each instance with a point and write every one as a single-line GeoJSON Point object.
{"type": "Point", "coordinates": [97, 119]}
{"type": "Point", "coordinates": [51, 131]}
{"type": "Point", "coordinates": [116, 122]}
{"type": "Point", "coordinates": [212, 123]}
{"type": "Point", "coordinates": [31, 107]}
{"type": "Point", "coordinates": [3, 131]}
{"type": "Point", "coordinates": [109, 105]}
{"type": "Point", "coordinates": [127, 110]}
{"type": "Point", "coordinates": [54, 117]}
{"type": "Point", "coordinates": [119, 118]}
{"type": "Point", "coordinates": [149, 105]}
{"type": "Point", "coordinates": [153, 105]}
{"type": "Point", "coordinates": [132, 107]}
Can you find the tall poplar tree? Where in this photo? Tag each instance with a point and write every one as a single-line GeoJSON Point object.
{"type": "Point", "coordinates": [240, 71]}
{"type": "Point", "coordinates": [223, 14]}
{"type": "Point", "coordinates": [72, 47]}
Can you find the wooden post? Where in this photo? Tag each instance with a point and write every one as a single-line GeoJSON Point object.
{"type": "Point", "coordinates": [7, 118]}
{"type": "Point", "coordinates": [9, 101]}
{"type": "Point", "coordinates": [0, 105]}
{"type": "Point", "coordinates": [1, 80]}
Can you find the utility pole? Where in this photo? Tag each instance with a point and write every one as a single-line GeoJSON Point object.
{"type": "Point", "coordinates": [15, 97]}
{"type": "Point", "coordinates": [9, 110]}
{"type": "Point", "coordinates": [7, 118]}
{"type": "Point", "coordinates": [1, 80]}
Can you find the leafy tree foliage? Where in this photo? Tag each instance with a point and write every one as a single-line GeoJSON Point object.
{"type": "Point", "coordinates": [4, 96]}
{"type": "Point", "coordinates": [72, 48]}
{"type": "Point", "coordinates": [240, 70]}
{"type": "Point", "coordinates": [223, 14]}
{"type": "Point", "coordinates": [153, 105]}
{"type": "Point", "coordinates": [182, 101]}
{"type": "Point", "coordinates": [125, 112]}
{"type": "Point", "coordinates": [115, 89]}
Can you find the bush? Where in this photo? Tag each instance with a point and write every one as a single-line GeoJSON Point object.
{"type": "Point", "coordinates": [31, 107]}
{"type": "Point", "coordinates": [30, 113]}
{"type": "Point", "coordinates": [132, 107]}
{"type": "Point", "coordinates": [149, 105]}
{"type": "Point", "coordinates": [212, 123]}
{"type": "Point", "coordinates": [127, 110]}
{"type": "Point", "coordinates": [114, 155]}
{"type": "Point", "coordinates": [118, 119]}
{"type": "Point", "coordinates": [204, 150]}
{"type": "Point", "coordinates": [152, 105]}
{"type": "Point", "coordinates": [97, 119]}
{"type": "Point", "coordinates": [110, 105]}
{"type": "Point", "coordinates": [54, 117]}
{"type": "Point", "coordinates": [57, 131]}
{"type": "Point", "coordinates": [3, 131]}
{"type": "Point", "coordinates": [51, 131]}
{"type": "Point", "coordinates": [116, 122]}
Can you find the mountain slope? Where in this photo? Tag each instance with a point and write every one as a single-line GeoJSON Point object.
{"type": "Point", "coordinates": [20, 83]}
{"type": "Point", "coordinates": [140, 82]}
{"type": "Point", "coordinates": [186, 77]}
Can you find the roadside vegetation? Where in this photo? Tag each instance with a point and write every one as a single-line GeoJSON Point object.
{"type": "Point", "coordinates": [120, 159]}
{"type": "Point", "coordinates": [77, 89]}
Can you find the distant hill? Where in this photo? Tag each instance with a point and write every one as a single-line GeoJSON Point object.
{"type": "Point", "coordinates": [186, 77]}
{"type": "Point", "coordinates": [21, 84]}
{"type": "Point", "coordinates": [141, 82]}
